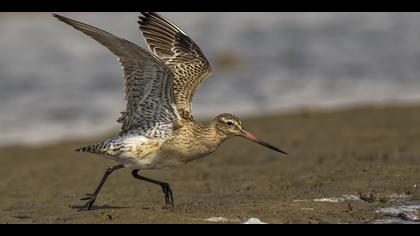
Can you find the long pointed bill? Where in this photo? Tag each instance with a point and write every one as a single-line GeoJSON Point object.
{"type": "Point", "coordinates": [252, 138]}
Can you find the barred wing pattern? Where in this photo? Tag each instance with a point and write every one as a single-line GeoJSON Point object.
{"type": "Point", "coordinates": [181, 55]}
{"type": "Point", "coordinates": [148, 84]}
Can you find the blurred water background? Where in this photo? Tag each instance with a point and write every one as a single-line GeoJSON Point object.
{"type": "Point", "coordinates": [56, 83]}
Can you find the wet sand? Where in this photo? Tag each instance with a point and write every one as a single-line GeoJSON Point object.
{"type": "Point", "coordinates": [342, 167]}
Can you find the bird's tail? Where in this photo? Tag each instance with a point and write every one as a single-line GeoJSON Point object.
{"type": "Point", "coordinates": [101, 147]}
{"type": "Point", "coordinates": [90, 148]}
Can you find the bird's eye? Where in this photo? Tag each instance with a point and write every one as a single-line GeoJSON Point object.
{"type": "Point", "coordinates": [230, 123]}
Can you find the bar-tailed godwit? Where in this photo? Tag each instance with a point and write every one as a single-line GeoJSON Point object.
{"type": "Point", "coordinates": [158, 129]}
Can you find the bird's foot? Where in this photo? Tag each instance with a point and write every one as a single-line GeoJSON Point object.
{"type": "Point", "coordinates": [90, 198]}
{"type": "Point", "coordinates": [169, 199]}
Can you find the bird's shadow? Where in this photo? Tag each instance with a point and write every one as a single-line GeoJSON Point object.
{"type": "Point", "coordinates": [78, 207]}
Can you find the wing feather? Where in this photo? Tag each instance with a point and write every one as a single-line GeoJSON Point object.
{"type": "Point", "coordinates": [148, 83]}
{"type": "Point", "coordinates": [180, 54]}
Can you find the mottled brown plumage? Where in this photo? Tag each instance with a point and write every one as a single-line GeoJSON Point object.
{"type": "Point", "coordinates": [188, 64]}
{"type": "Point", "coordinates": [158, 130]}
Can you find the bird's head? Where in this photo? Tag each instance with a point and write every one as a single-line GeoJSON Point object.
{"type": "Point", "coordinates": [230, 126]}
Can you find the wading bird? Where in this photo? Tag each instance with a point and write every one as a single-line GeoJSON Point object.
{"type": "Point", "coordinates": [158, 129]}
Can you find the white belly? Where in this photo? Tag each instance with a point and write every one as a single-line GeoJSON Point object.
{"type": "Point", "coordinates": [140, 152]}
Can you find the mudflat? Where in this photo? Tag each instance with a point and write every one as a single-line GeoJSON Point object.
{"type": "Point", "coordinates": [343, 167]}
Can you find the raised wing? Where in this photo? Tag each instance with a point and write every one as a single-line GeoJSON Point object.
{"type": "Point", "coordinates": [148, 83]}
{"type": "Point", "coordinates": [180, 54]}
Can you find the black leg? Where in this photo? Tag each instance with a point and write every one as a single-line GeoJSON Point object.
{"type": "Point", "coordinates": [92, 197]}
{"type": "Point", "coordinates": [169, 199]}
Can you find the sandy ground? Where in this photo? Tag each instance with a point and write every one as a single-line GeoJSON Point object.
{"type": "Point", "coordinates": [342, 167]}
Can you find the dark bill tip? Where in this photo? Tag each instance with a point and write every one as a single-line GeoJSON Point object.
{"type": "Point", "coordinates": [252, 138]}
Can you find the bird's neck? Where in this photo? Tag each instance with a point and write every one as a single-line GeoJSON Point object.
{"type": "Point", "coordinates": [207, 134]}
{"type": "Point", "coordinates": [214, 134]}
